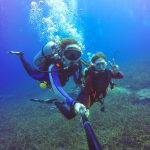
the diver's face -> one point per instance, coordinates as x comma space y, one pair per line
100, 64
71, 57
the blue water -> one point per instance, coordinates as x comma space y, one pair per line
118, 28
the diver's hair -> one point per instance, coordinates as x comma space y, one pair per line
67, 41
97, 56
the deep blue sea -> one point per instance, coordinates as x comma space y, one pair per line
118, 28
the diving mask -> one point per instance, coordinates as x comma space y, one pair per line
72, 52
100, 64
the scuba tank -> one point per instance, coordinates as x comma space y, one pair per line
44, 55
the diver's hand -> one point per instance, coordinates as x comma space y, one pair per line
15, 52
78, 107
114, 66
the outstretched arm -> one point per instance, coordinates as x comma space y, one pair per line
35, 74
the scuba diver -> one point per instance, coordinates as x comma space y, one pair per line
55, 64
97, 80
65, 56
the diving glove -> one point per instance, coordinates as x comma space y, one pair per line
78, 107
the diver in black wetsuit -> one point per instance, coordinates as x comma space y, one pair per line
65, 56
56, 63
97, 80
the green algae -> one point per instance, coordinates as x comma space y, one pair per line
124, 125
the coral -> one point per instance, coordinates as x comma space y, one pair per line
143, 94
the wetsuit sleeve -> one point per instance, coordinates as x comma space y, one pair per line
35, 74
84, 96
117, 75
57, 88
